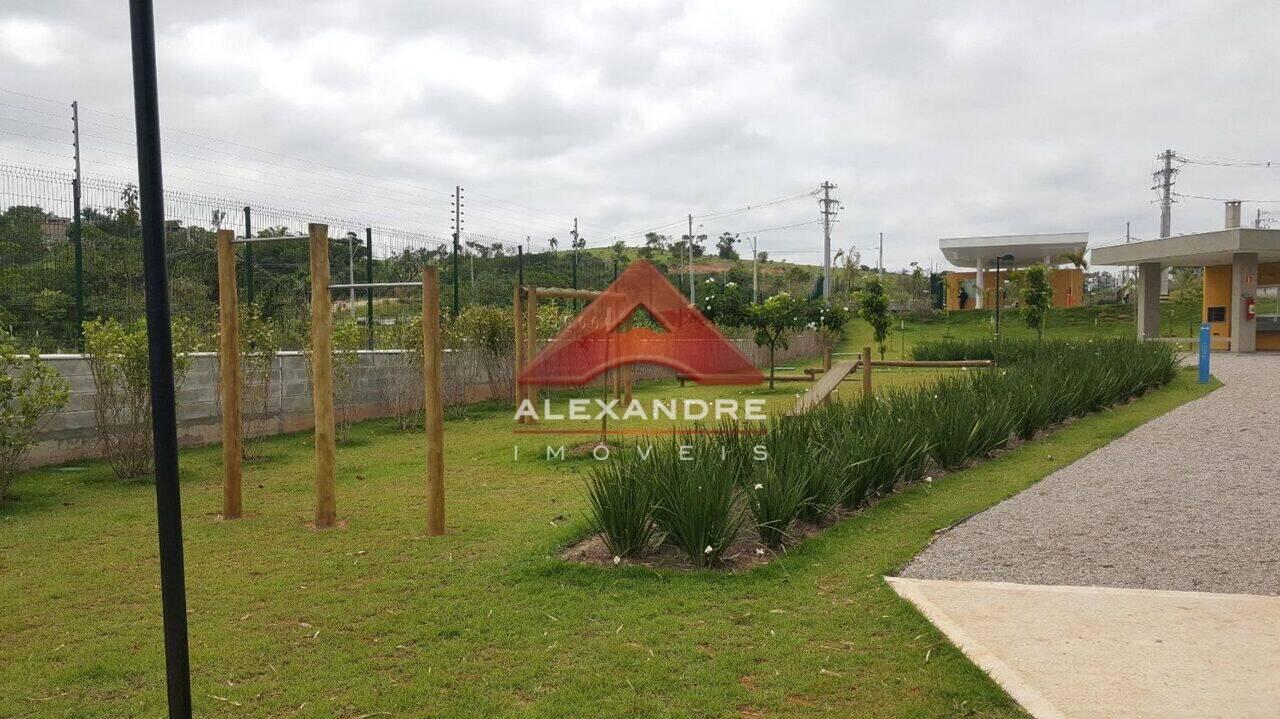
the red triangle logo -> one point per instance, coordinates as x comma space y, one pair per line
690, 344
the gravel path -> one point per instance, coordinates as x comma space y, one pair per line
1188, 501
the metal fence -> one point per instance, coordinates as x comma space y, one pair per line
44, 299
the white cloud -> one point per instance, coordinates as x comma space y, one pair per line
30, 42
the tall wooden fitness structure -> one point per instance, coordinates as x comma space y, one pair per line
326, 514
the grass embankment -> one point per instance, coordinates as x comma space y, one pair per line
377, 620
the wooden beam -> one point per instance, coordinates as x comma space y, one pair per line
322, 378
932, 363
560, 293
866, 371
433, 406
229, 376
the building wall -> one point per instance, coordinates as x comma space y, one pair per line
1218, 293
381, 378
1067, 283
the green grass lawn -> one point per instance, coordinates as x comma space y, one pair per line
377, 620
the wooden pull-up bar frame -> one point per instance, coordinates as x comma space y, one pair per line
322, 378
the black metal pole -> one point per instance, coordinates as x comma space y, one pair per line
520, 265
248, 256
368, 277
164, 425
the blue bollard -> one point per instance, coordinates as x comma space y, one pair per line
1204, 353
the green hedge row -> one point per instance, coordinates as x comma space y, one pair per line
699, 494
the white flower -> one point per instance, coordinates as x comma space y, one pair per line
731, 284
617, 560
759, 486
709, 549
928, 479
759, 552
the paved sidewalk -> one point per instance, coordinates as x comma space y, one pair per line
1188, 501
1100, 653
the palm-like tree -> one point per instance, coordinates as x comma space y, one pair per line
554, 243
1078, 260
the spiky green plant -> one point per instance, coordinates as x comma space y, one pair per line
697, 504
620, 502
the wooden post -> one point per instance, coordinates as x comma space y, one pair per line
433, 404
229, 376
531, 337
826, 359
517, 362
322, 378
866, 371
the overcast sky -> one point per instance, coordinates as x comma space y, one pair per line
933, 120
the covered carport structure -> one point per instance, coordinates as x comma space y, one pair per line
1241, 280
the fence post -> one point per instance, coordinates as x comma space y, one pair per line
322, 377
248, 257
531, 337
368, 277
433, 410
229, 376
77, 229
517, 361
866, 372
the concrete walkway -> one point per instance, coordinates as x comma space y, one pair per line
1090, 652
1063, 592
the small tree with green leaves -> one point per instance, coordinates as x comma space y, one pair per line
773, 320
259, 347
1037, 294
873, 306
828, 320
118, 361
30, 393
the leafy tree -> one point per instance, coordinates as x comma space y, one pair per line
725, 303
1037, 294
828, 320
762, 257
873, 306
1188, 289
773, 320
553, 243
724, 246
30, 393
619, 252
653, 244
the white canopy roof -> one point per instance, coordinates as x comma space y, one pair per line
1026, 249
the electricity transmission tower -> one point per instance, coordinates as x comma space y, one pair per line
829, 208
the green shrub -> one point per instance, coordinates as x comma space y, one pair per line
30, 393
697, 504
777, 488
620, 502
118, 361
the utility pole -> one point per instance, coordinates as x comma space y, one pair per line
77, 229
755, 274
829, 207
457, 243
880, 264
693, 293
574, 244
1164, 183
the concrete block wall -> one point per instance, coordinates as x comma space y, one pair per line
380, 376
